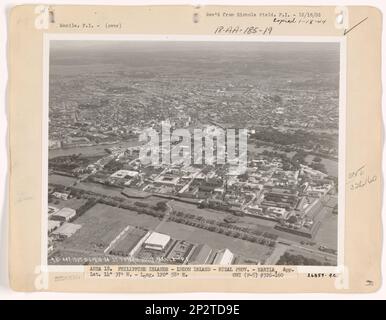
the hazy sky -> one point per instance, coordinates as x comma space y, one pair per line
151, 46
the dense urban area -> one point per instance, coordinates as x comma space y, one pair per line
105, 206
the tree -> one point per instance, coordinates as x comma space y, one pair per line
161, 206
292, 219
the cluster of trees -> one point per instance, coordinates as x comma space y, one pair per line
288, 163
299, 260
80, 193
252, 235
87, 206
112, 166
318, 166
158, 210
110, 202
67, 164
121, 253
302, 138
159, 206
139, 207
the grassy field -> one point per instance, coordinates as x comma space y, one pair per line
327, 234
331, 165
128, 242
63, 180
101, 224
214, 240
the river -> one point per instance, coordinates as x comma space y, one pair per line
92, 150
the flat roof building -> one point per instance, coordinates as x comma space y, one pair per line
61, 195
157, 241
64, 214
52, 225
223, 257
67, 229
52, 210
124, 174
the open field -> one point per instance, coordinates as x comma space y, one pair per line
128, 241
331, 165
63, 180
327, 231
101, 224
214, 240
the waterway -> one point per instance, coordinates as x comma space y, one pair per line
92, 150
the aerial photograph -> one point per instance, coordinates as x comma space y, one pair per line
193, 153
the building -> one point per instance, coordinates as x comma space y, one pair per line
279, 213
121, 174
318, 191
254, 209
64, 214
211, 184
61, 195
223, 257
180, 252
52, 210
280, 198
76, 142
157, 241
54, 144
52, 225
200, 255
67, 230
167, 179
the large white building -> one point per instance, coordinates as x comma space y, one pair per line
277, 212
52, 210
223, 257
124, 174
52, 225
67, 229
65, 214
157, 241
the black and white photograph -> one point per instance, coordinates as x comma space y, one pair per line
191, 152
